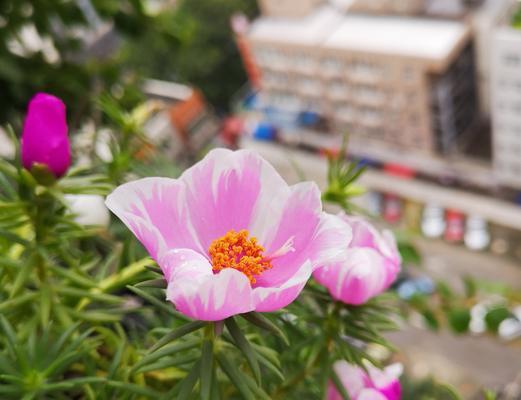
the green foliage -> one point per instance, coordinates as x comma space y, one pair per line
427, 389
516, 19
495, 316
341, 179
83, 315
206, 55
69, 64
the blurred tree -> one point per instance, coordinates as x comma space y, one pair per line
206, 57
70, 48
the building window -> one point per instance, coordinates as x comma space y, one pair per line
332, 66
512, 60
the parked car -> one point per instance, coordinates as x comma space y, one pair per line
477, 235
392, 208
433, 222
454, 226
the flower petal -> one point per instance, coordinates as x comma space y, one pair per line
299, 220
372, 394
184, 263
353, 378
387, 380
229, 190
331, 239
160, 203
209, 297
360, 276
366, 235
268, 299
147, 234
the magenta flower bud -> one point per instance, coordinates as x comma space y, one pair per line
44, 138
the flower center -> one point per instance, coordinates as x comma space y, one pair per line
239, 251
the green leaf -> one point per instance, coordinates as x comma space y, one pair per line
187, 384
450, 392
164, 352
257, 391
73, 276
236, 376
206, 369
91, 295
156, 283
272, 367
114, 365
178, 333
71, 383
11, 304
168, 307
96, 316
154, 268
489, 395
459, 319
12, 237
430, 319
264, 323
126, 276
169, 362
133, 388
45, 304
244, 346
495, 316
470, 287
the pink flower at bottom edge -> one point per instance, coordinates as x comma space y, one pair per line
230, 235
375, 384
370, 264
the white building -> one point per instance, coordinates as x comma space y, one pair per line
506, 105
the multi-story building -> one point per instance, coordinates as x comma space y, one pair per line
288, 8
401, 81
388, 6
506, 103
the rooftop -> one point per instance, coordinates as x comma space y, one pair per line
432, 39
310, 30
410, 37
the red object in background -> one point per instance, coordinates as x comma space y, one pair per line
183, 113
330, 153
392, 208
231, 130
399, 171
240, 25
454, 226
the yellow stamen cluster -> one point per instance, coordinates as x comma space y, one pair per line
237, 250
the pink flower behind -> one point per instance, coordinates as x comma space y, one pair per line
374, 384
370, 265
44, 138
230, 235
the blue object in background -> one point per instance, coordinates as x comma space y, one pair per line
367, 162
410, 287
265, 131
250, 101
518, 199
308, 118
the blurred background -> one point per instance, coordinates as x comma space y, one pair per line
427, 93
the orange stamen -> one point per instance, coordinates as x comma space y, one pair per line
237, 250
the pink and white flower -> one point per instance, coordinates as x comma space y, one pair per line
230, 235
369, 266
375, 384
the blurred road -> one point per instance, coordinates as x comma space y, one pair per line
467, 362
